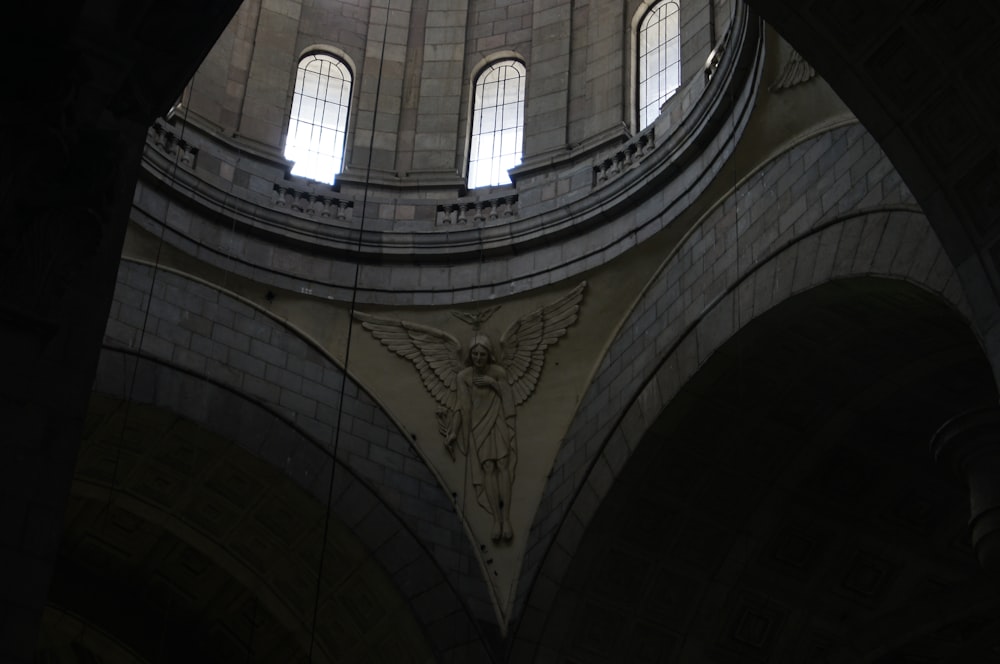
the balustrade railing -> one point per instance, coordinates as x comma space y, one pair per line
625, 158
312, 204
477, 211
166, 141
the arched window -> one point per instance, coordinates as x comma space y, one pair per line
497, 123
317, 131
659, 59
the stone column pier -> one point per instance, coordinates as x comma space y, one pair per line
970, 444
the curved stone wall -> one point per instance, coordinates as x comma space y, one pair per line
829, 208
201, 551
783, 500
413, 64
212, 358
419, 243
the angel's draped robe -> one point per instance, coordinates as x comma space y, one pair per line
485, 433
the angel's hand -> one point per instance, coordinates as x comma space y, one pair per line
449, 445
484, 381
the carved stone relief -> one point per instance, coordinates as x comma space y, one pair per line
479, 387
794, 72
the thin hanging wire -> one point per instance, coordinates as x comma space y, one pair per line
745, 536
253, 628
128, 382
347, 344
168, 600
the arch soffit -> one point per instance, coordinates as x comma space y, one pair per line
372, 445
747, 425
598, 473
278, 323
253, 520
389, 540
871, 55
664, 345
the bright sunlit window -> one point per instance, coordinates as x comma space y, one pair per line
659, 59
497, 123
317, 131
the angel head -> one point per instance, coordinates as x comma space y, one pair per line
481, 353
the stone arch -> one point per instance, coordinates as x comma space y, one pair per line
187, 536
200, 352
830, 208
784, 499
920, 77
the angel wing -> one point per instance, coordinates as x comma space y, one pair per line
523, 344
795, 71
435, 354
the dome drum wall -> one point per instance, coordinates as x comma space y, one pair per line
561, 217
415, 63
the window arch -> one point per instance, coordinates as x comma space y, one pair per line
659, 71
317, 129
497, 123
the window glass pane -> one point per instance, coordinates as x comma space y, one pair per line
317, 128
310, 83
673, 53
673, 23
658, 71
488, 119
306, 109
497, 121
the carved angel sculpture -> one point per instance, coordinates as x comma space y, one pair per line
479, 389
